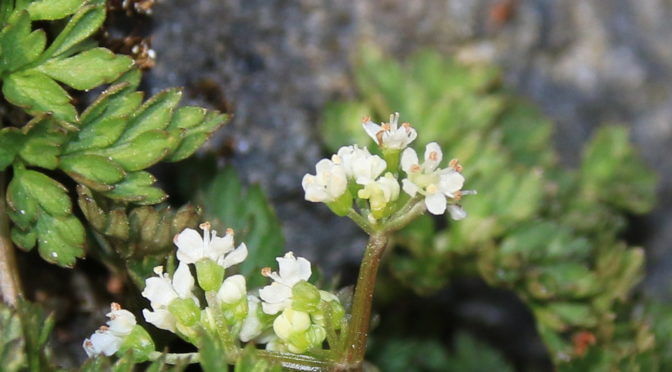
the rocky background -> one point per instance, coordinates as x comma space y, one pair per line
275, 64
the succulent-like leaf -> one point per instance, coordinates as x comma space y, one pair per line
95, 171
11, 141
12, 354
47, 10
19, 44
82, 24
37, 93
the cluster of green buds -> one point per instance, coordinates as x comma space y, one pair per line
356, 178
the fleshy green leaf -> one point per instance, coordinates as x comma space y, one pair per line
38, 93
197, 129
49, 194
60, 239
52, 9
12, 355
11, 141
142, 151
137, 188
42, 143
84, 23
18, 44
88, 69
154, 114
95, 171
101, 133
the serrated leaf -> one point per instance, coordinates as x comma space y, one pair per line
142, 151
187, 146
18, 44
49, 194
124, 104
95, 171
98, 134
187, 117
84, 23
38, 93
24, 239
52, 9
88, 69
152, 115
60, 239
11, 141
101, 103
195, 135
137, 188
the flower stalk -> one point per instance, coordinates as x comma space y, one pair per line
10, 284
358, 328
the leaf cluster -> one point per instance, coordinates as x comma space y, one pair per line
549, 233
105, 147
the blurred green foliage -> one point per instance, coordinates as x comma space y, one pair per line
46, 46
548, 233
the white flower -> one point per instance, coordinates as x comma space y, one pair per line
101, 342
252, 326
161, 291
327, 185
390, 135
380, 192
191, 247
108, 339
359, 164
278, 295
434, 183
290, 322
232, 290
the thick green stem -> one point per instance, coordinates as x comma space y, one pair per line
358, 328
10, 285
174, 358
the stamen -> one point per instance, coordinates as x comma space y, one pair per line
379, 137
434, 156
431, 189
158, 270
457, 195
205, 226
407, 126
115, 306
230, 231
266, 271
366, 119
455, 164
415, 168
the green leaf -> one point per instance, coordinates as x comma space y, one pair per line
49, 194
100, 133
95, 171
25, 240
154, 114
11, 141
137, 188
88, 69
141, 152
42, 144
38, 93
52, 9
195, 133
84, 23
61, 239
18, 44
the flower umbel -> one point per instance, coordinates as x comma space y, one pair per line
108, 339
161, 291
191, 247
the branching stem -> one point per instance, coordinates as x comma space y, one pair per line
10, 284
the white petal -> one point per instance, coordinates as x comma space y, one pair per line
409, 187
219, 246
436, 203
252, 327
275, 293
408, 158
324, 166
121, 322
102, 342
159, 291
314, 191
293, 270
456, 212
189, 246
183, 282
433, 156
451, 182
161, 318
237, 256
372, 129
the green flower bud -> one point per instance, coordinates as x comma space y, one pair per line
305, 297
139, 343
392, 158
289, 322
303, 341
342, 205
210, 275
185, 311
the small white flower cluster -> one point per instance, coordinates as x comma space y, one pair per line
354, 172
108, 339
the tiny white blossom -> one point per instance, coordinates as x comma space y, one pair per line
232, 290
437, 185
161, 290
328, 183
108, 339
191, 247
379, 193
278, 295
390, 135
359, 164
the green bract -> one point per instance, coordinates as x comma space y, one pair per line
105, 148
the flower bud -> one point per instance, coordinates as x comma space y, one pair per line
341, 206
209, 274
290, 322
300, 342
305, 297
185, 310
139, 343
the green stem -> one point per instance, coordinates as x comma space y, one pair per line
174, 358
10, 284
297, 362
361, 221
414, 208
358, 328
